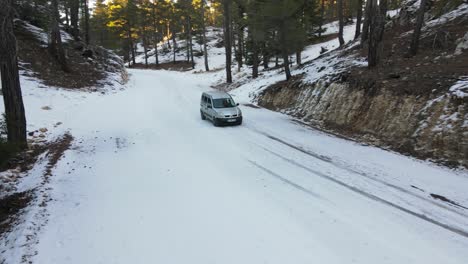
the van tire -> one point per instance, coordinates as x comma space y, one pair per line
203, 117
216, 122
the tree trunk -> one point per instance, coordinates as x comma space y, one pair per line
55, 45
11, 88
254, 58
187, 40
174, 45
374, 34
130, 42
205, 52
86, 20
322, 12
156, 52
155, 34
233, 40
240, 39
168, 42
266, 57
358, 19
287, 71
240, 48
284, 52
341, 22
298, 57
74, 11
365, 26
190, 42
417, 29
383, 6
227, 38
67, 16
145, 47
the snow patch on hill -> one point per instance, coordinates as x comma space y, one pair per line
460, 88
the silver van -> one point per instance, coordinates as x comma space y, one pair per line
220, 108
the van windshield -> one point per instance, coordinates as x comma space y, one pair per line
223, 103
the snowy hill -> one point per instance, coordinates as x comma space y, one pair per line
90, 66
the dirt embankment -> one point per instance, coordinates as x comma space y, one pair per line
89, 65
404, 104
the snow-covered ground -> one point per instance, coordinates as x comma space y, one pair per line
147, 180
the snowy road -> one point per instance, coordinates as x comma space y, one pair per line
147, 181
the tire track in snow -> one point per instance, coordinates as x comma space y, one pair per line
283, 179
341, 166
455, 230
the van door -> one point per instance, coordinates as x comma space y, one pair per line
209, 107
203, 103
203, 108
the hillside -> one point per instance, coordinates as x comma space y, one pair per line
415, 105
91, 67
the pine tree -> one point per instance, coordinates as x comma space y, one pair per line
98, 22
11, 88
122, 14
55, 44
155, 21
85, 5
417, 28
227, 38
367, 17
74, 17
376, 30
205, 52
284, 16
358, 19
340, 22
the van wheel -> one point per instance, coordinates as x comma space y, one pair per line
216, 122
203, 117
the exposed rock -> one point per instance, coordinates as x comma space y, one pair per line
323, 50
462, 45
87, 53
78, 45
394, 75
425, 126
43, 130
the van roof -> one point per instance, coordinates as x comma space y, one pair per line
218, 94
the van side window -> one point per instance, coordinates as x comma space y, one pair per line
208, 100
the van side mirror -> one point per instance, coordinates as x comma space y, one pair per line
208, 106
237, 104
